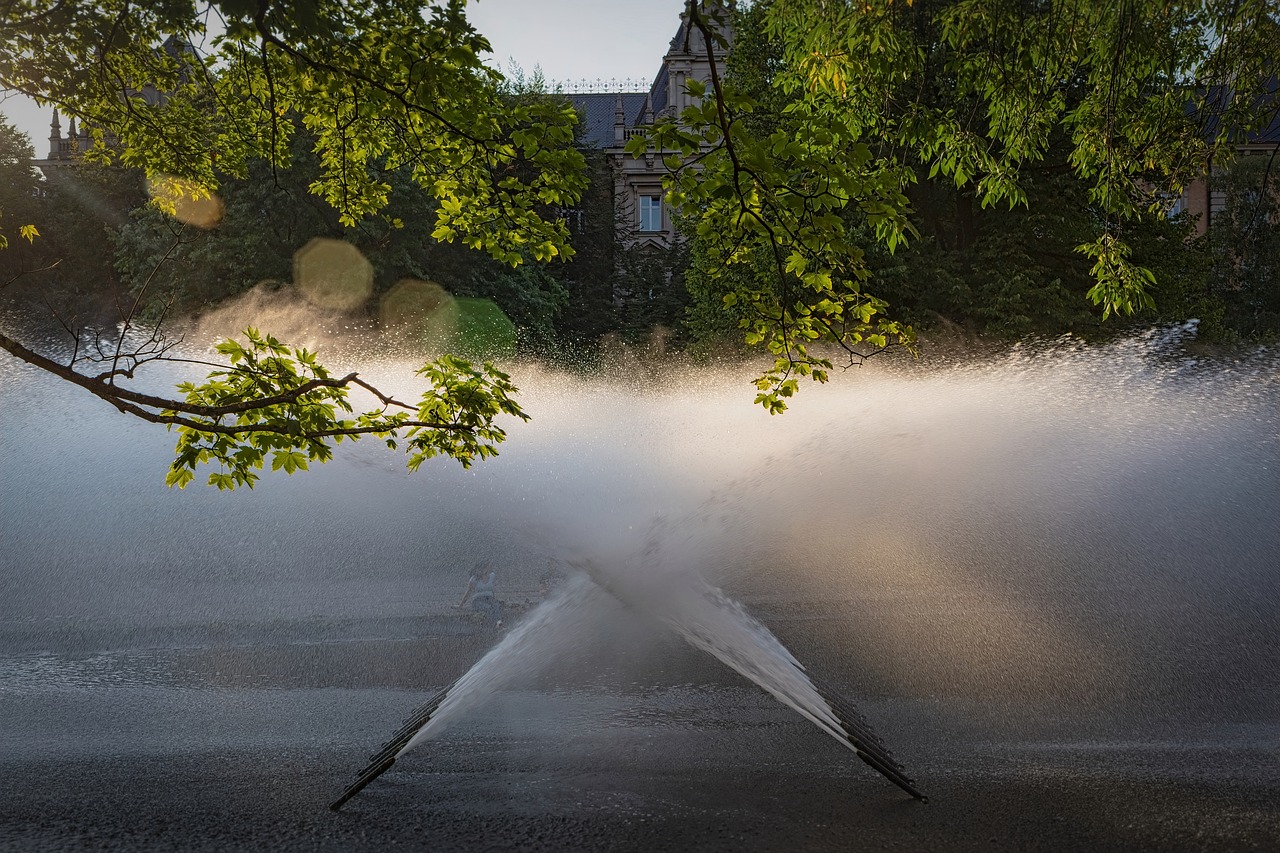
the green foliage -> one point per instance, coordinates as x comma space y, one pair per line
995, 271
588, 311
456, 415
775, 204
378, 86
82, 210
62, 227
1113, 75
267, 216
1122, 286
862, 100
281, 403
649, 289
270, 214
18, 185
530, 297
1243, 247
1183, 288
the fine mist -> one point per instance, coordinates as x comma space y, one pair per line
1063, 528
1056, 533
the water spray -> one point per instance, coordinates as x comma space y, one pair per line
704, 616
380, 762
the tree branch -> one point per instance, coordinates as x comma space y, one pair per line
136, 403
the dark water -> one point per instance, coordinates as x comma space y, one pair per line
1049, 579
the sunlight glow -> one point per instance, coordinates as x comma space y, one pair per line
333, 274
186, 201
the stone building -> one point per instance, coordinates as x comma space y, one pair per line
611, 119
67, 150
1205, 198
64, 150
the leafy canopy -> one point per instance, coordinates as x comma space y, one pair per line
787, 186
380, 84
280, 402
784, 193
384, 89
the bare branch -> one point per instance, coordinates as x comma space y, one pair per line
25, 272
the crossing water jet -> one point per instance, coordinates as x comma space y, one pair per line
700, 614
552, 628
984, 442
1048, 572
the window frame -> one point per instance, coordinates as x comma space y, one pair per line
652, 210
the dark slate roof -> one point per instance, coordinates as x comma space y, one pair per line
677, 41
597, 109
1265, 105
1268, 102
658, 91
1271, 135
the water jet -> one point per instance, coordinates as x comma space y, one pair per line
703, 616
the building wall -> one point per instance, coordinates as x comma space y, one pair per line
1203, 202
637, 178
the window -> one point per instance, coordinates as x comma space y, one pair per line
572, 217
650, 213
1174, 205
1217, 203
1217, 193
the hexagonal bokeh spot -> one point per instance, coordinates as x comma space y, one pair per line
413, 307
333, 274
426, 314
482, 330
185, 201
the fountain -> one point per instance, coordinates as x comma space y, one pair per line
1048, 571
704, 616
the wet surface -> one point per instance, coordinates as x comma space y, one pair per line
135, 749
255, 771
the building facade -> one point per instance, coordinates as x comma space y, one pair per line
610, 120
1205, 198
64, 150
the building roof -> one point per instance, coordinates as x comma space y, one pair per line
1268, 102
658, 92
598, 108
1265, 105
597, 111
1269, 135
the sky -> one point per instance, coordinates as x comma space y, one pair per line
570, 40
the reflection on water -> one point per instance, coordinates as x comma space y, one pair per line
29, 673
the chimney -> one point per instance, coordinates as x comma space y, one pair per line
619, 122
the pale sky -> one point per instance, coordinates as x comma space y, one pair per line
569, 39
